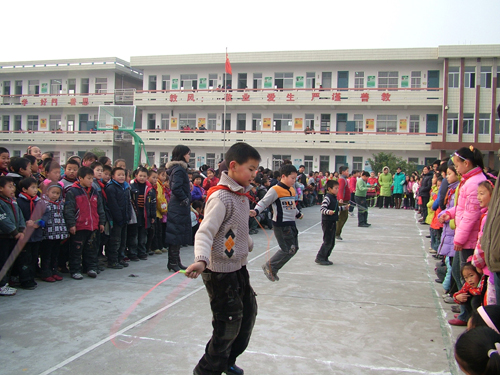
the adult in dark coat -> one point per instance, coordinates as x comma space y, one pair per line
178, 230
425, 190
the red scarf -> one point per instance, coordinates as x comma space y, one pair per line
213, 189
101, 184
31, 200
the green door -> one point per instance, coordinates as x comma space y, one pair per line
433, 79
432, 124
343, 79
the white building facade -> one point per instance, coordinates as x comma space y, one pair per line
421, 104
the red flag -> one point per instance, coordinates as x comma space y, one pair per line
228, 65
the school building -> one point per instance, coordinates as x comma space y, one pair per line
322, 109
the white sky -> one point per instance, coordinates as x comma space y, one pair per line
54, 29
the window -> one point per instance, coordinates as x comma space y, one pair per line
19, 88
486, 77
212, 81
228, 79
17, 153
33, 87
84, 89
308, 163
17, 123
5, 123
310, 120
453, 76
283, 80
101, 85
211, 160
484, 123
324, 163
416, 78
189, 81
163, 158
33, 123
359, 80
242, 81
470, 77
414, 124
256, 122
212, 121
310, 80
388, 80
165, 82
70, 119
151, 158
6, 87
56, 86
387, 123
54, 122
452, 123
282, 122
71, 85
257, 80
152, 83
192, 159
358, 123
165, 121
468, 123
357, 163
413, 161
187, 119
151, 121
497, 127
278, 160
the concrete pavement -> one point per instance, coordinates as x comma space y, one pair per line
377, 310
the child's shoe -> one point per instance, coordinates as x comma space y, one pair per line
234, 370
92, 274
323, 262
134, 258
29, 286
116, 266
455, 308
7, 291
57, 277
271, 276
77, 276
63, 269
164, 250
123, 263
457, 322
151, 252
158, 252
49, 279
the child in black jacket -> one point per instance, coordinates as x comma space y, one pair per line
329, 216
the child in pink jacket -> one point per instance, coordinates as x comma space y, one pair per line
467, 213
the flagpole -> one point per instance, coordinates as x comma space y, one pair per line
225, 96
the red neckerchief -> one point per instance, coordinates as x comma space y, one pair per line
86, 190
31, 200
213, 189
6, 200
448, 196
102, 185
4, 171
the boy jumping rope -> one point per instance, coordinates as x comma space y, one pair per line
282, 198
221, 248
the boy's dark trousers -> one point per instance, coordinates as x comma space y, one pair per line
159, 238
288, 242
6, 247
343, 216
63, 257
151, 241
117, 243
83, 250
362, 210
137, 237
26, 262
49, 251
329, 232
351, 207
234, 310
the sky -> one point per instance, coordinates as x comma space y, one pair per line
54, 29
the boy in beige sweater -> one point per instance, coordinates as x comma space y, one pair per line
221, 248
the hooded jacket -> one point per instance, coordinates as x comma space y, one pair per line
490, 241
11, 218
385, 182
55, 226
399, 180
446, 246
118, 199
83, 209
27, 209
149, 212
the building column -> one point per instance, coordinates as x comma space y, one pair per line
461, 102
478, 97
445, 98
493, 100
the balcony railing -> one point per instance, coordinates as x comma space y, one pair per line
57, 137
329, 97
58, 100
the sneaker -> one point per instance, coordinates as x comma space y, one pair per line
56, 277
134, 259
158, 252
338, 238
31, 286
164, 250
268, 273
100, 268
77, 276
151, 252
432, 251
116, 266
439, 281
457, 322
449, 300
455, 309
123, 263
143, 257
49, 279
234, 370
323, 262
7, 291
445, 295
363, 225
351, 214
126, 259
92, 274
